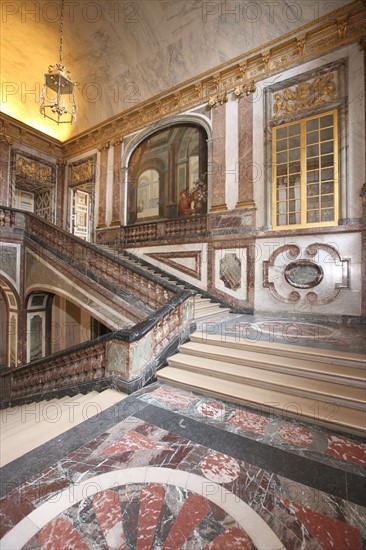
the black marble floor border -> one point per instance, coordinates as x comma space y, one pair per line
30, 464
323, 477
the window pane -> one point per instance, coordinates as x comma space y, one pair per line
312, 216
313, 137
326, 134
281, 144
327, 160
282, 170
313, 203
294, 167
312, 150
281, 157
312, 124
326, 121
312, 164
327, 188
328, 215
326, 147
312, 175
281, 133
294, 129
295, 154
294, 219
313, 190
294, 142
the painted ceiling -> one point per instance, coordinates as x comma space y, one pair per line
124, 52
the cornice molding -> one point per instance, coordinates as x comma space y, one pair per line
238, 76
13, 130
344, 26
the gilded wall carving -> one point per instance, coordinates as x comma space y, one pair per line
82, 171
306, 95
31, 172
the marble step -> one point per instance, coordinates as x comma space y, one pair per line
208, 312
296, 385
14, 418
323, 354
308, 368
54, 418
338, 417
205, 305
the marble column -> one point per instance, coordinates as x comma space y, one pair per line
245, 131
117, 182
5, 149
218, 164
61, 195
103, 171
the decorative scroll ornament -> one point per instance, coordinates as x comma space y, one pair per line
245, 89
306, 95
220, 96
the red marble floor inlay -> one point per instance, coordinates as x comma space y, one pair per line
133, 441
60, 533
330, 533
192, 513
172, 397
211, 409
249, 421
220, 468
295, 435
107, 509
151, 503
232, 539
345, 449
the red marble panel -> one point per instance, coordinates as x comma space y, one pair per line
245, 131
60, 533
233, 539
192, 513
218, 198
151, 503
249, 421
133, 441
107, 509
346, 449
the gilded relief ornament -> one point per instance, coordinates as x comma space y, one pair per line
305, 95
82, 172
32, 171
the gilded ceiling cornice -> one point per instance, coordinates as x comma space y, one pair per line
12, 130
238, 76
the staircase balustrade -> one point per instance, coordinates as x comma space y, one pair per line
127, 358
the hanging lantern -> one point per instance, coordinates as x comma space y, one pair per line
57, 96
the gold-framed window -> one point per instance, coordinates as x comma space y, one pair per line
305, 172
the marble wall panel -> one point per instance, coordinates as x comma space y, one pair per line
339, 259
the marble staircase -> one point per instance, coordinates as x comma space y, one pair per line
203, 307
320, 386
26, 427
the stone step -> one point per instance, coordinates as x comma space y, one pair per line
310, 368
323, 354
54, 420
208, 312
338, 417
296, 385
205, 305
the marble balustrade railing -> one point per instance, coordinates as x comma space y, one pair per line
128, 357
162, 229
93, 261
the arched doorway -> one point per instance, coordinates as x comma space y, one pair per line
9, 338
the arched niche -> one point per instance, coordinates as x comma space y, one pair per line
9, 315
167, 174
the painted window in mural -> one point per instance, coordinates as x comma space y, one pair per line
167, 175
305, 172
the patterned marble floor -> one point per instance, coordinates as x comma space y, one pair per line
168, 469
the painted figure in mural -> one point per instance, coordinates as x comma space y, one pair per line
184, 206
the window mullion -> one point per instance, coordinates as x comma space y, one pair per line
303, 197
